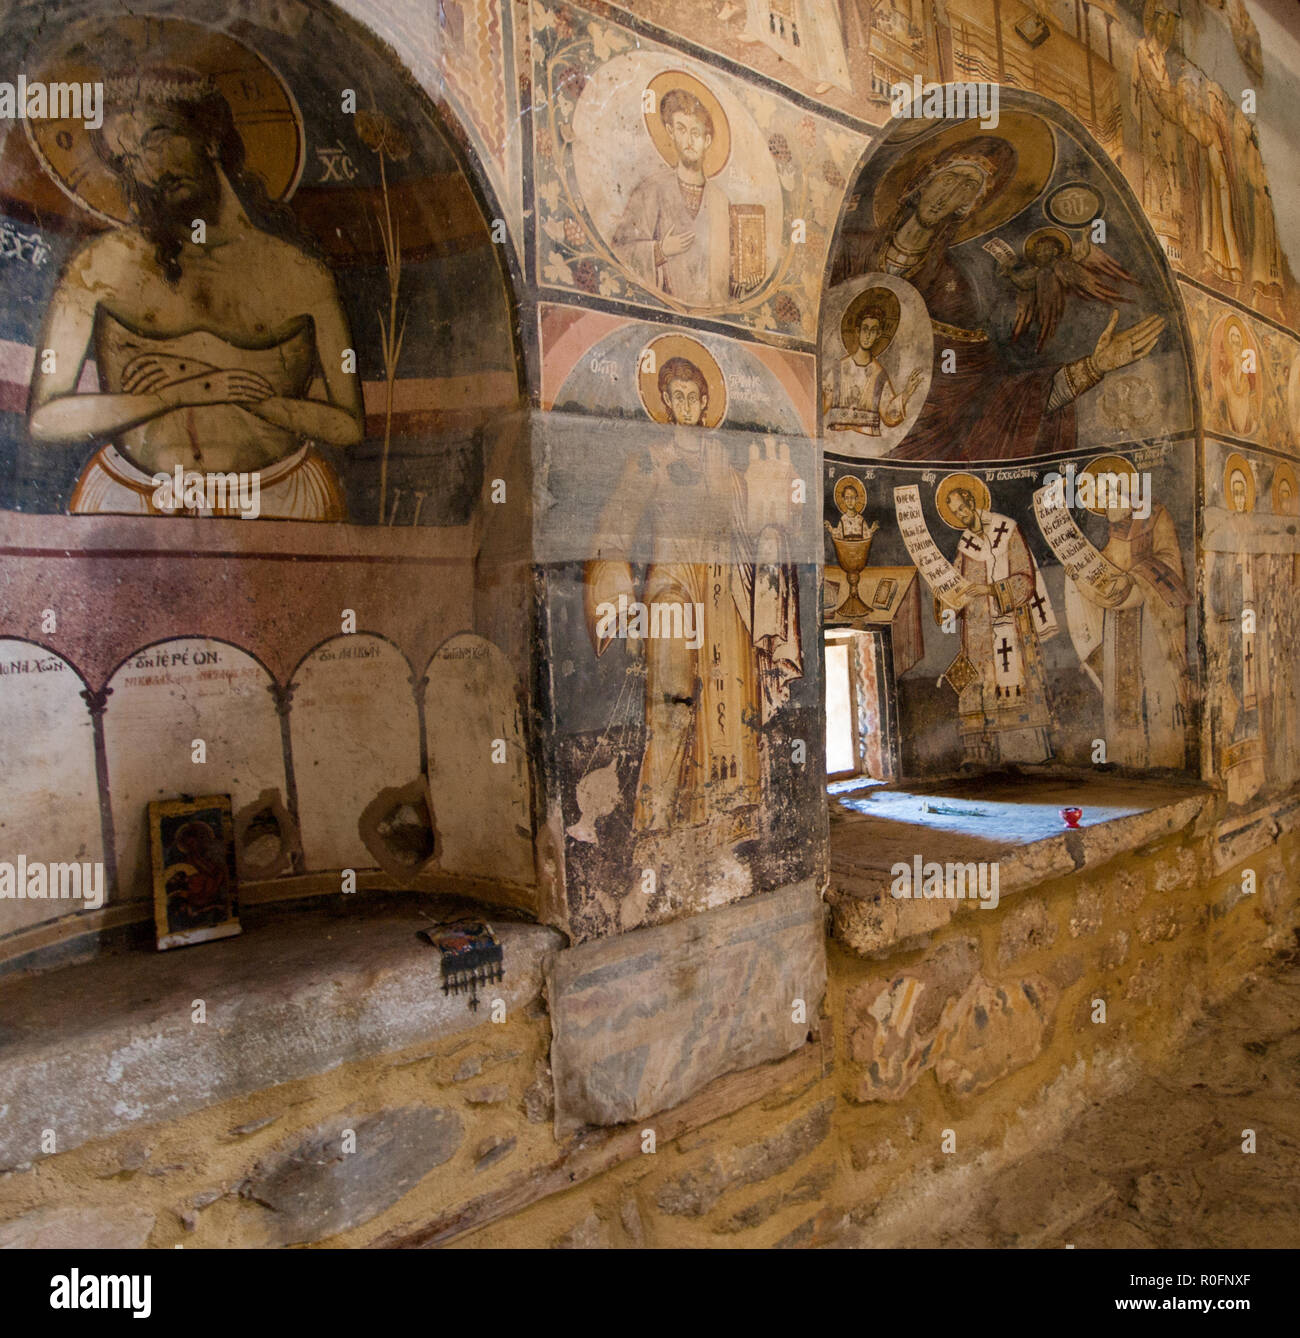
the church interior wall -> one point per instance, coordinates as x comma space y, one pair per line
673, 344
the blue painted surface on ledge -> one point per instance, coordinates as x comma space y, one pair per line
1009, 811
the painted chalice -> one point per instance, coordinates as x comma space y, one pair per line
852, 541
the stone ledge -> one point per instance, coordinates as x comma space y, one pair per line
83, 935
1013, 824
643, 1020
94, 1049
1245, 834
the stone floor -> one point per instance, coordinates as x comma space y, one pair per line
1162, 1166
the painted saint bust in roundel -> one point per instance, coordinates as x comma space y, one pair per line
955, 184
681, 232
674, 234
1234, 375
208, 340
858, 394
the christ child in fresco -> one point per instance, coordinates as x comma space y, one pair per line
982, 409
219, 349
852, 500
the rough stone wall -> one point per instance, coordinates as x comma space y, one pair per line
841, 1141
857, 1155
435, 1126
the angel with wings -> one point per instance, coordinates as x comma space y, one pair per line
1053, 268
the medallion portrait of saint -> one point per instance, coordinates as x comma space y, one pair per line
718, 543
858, 394
947, 188
679, 232
674, 233
217, 335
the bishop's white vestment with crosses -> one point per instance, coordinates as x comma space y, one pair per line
1003, 707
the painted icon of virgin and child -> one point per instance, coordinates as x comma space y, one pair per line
956, 185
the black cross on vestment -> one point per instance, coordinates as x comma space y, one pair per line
1004, 650
999, 532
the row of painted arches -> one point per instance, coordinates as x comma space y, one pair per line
353, 719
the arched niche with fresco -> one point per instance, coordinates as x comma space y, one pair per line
478, 762
269, 258
1000, 334
354, 731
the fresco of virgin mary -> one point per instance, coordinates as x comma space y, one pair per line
950, 187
